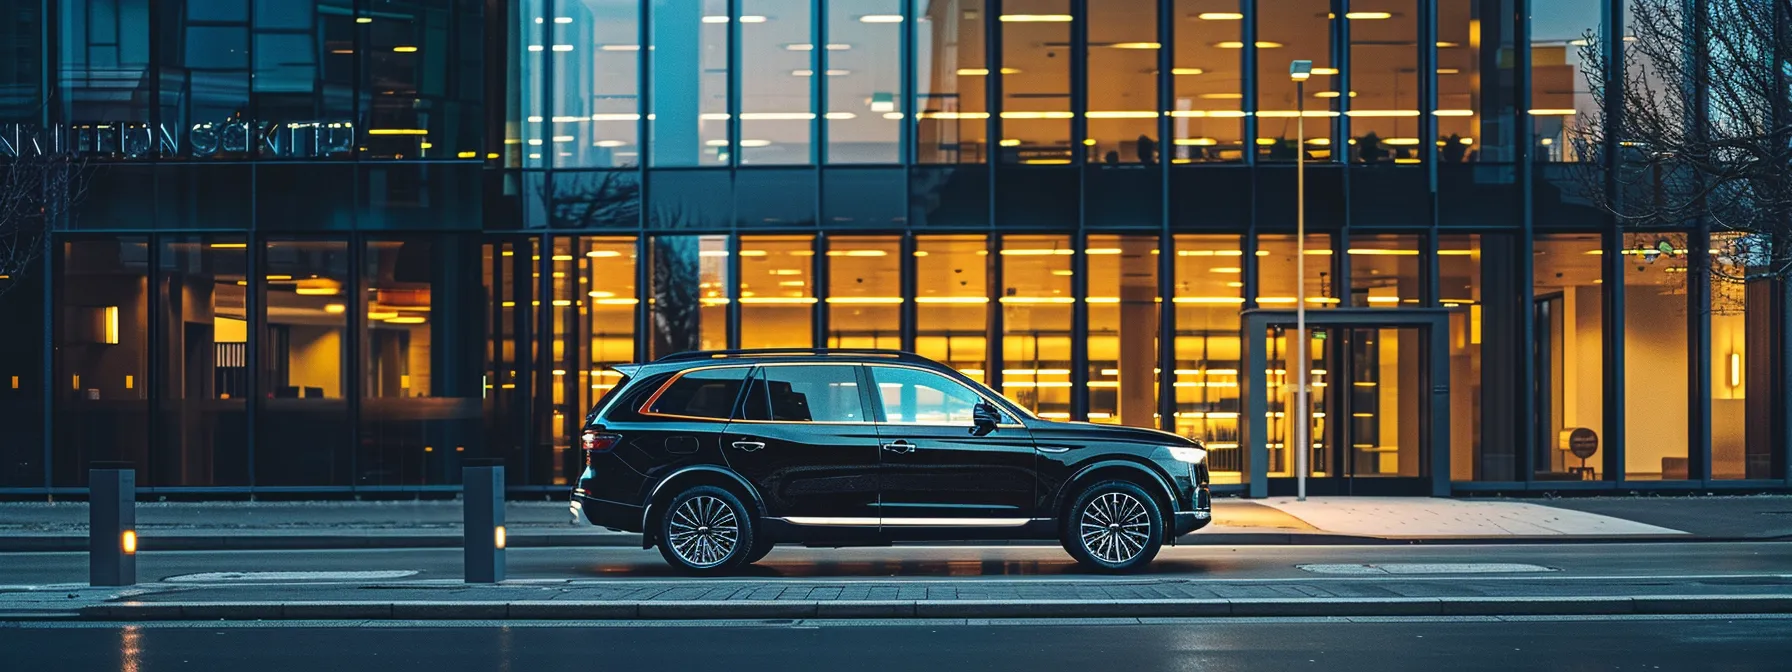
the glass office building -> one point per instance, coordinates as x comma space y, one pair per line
339, 246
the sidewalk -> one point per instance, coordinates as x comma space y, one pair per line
987, 598
1321, 520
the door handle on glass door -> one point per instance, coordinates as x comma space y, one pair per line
749, 446
899, 446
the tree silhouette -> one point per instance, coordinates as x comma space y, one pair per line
40, 186
1702, 131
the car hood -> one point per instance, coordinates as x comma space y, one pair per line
1089, 431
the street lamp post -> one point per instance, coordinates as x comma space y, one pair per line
1299, 71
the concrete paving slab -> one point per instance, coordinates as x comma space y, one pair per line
1399, 517
1738, 517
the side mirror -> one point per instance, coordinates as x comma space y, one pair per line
984, 418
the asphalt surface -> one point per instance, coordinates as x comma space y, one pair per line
942, 562
1332, 645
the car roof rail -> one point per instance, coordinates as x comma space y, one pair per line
696, 355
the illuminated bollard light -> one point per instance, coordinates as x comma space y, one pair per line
483, 506
112, 524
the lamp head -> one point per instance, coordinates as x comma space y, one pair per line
1300, 70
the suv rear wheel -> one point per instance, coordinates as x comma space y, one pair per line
1113, 526
706, 530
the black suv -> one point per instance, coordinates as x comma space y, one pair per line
716, 456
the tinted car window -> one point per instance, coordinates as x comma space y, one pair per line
806, 394
706, 393
915, 396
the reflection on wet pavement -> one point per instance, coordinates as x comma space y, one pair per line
898, 562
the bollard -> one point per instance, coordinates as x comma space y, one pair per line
482, 483
111, 524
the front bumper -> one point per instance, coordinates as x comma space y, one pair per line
1185, 522
605, 513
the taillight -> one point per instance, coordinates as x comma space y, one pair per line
598, 442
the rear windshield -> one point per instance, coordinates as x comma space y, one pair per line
704, 393
612, 385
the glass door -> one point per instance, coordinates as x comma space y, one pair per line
1365, 386
1382, 371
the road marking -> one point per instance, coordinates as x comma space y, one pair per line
1406, 568
381, 575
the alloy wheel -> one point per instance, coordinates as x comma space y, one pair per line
1115, 527
704, 531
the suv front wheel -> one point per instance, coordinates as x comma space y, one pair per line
1113, 526
706, 530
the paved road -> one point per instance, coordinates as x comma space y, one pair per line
1570, 562
1210, 646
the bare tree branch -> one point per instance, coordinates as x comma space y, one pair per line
1702, 132
39, 189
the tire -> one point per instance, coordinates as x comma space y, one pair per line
1113, 526
705, 531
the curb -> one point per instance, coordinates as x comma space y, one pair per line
801, 609
152, 541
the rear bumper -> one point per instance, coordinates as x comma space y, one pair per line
605, 513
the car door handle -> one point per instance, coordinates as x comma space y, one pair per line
899, 447
749, 446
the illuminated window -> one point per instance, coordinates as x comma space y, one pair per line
951, 71
1297, 29
952, 301
1656, 394
1207, 121
865, 105
1384, 271
1570, 348
777, 108
304, 365
203, 362
1461, 291
1561, 100
1036, 307
777, 291
1036, 83
1475, 108
864, 292
1384, 81
1276, 271
413, 310
1123, 326
1122, 82
1741, 377
1208, 293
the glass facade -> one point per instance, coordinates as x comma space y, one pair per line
339, 247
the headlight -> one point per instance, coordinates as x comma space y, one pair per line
1188, 454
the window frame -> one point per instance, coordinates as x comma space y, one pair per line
645, 410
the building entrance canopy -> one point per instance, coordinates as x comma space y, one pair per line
1379, 403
